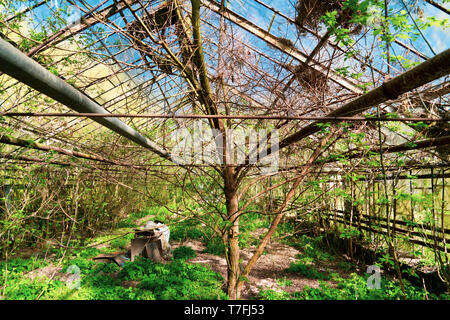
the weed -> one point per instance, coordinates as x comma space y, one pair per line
307, 271
186, 230
283, 282
176, 280
269, 294
215, 246
184, 252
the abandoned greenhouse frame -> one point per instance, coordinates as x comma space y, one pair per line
224, 149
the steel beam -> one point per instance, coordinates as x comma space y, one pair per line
17, 65
334, 45
427, 71
84, 24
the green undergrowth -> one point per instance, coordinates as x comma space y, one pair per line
175, 280
131, 220
184, 252
308, 271
311, 248
139, 280
311, 256
353, 288
179, 279
333, 286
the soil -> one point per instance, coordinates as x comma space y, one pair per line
267, 272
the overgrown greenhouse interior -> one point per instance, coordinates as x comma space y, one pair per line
295, 149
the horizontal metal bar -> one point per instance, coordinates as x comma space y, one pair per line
381, 231
204, 116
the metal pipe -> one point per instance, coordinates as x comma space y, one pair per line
427, 71
17, 65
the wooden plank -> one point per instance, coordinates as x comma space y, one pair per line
417, 225
419, 242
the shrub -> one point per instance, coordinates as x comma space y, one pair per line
176, 280
184, 252
352, 288
270, 294
215, 246
307, 271
355, 288
186, 230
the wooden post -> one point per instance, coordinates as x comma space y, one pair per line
433, 213
394, 209
411, 192
443, 216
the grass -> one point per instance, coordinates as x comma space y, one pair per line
284, 282
177, 279
214, 246
307, 271
184, 252
186, 229
352, 288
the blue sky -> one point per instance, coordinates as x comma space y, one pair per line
438, 38
261, 16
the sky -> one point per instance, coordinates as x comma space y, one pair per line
261, 16
438, 38
250, 9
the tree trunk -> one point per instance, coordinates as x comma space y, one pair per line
232, 245
250, 264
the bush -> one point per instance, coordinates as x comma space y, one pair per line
186, 230
311, 248
270, 294
120, 243
355, 288
184, 252
352, 288
30, 289
307, 271
215, 246
177, 280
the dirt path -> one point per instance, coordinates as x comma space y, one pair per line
266, 274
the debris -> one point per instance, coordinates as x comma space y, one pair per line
118, 258
309, 78
309, 14
151, 242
